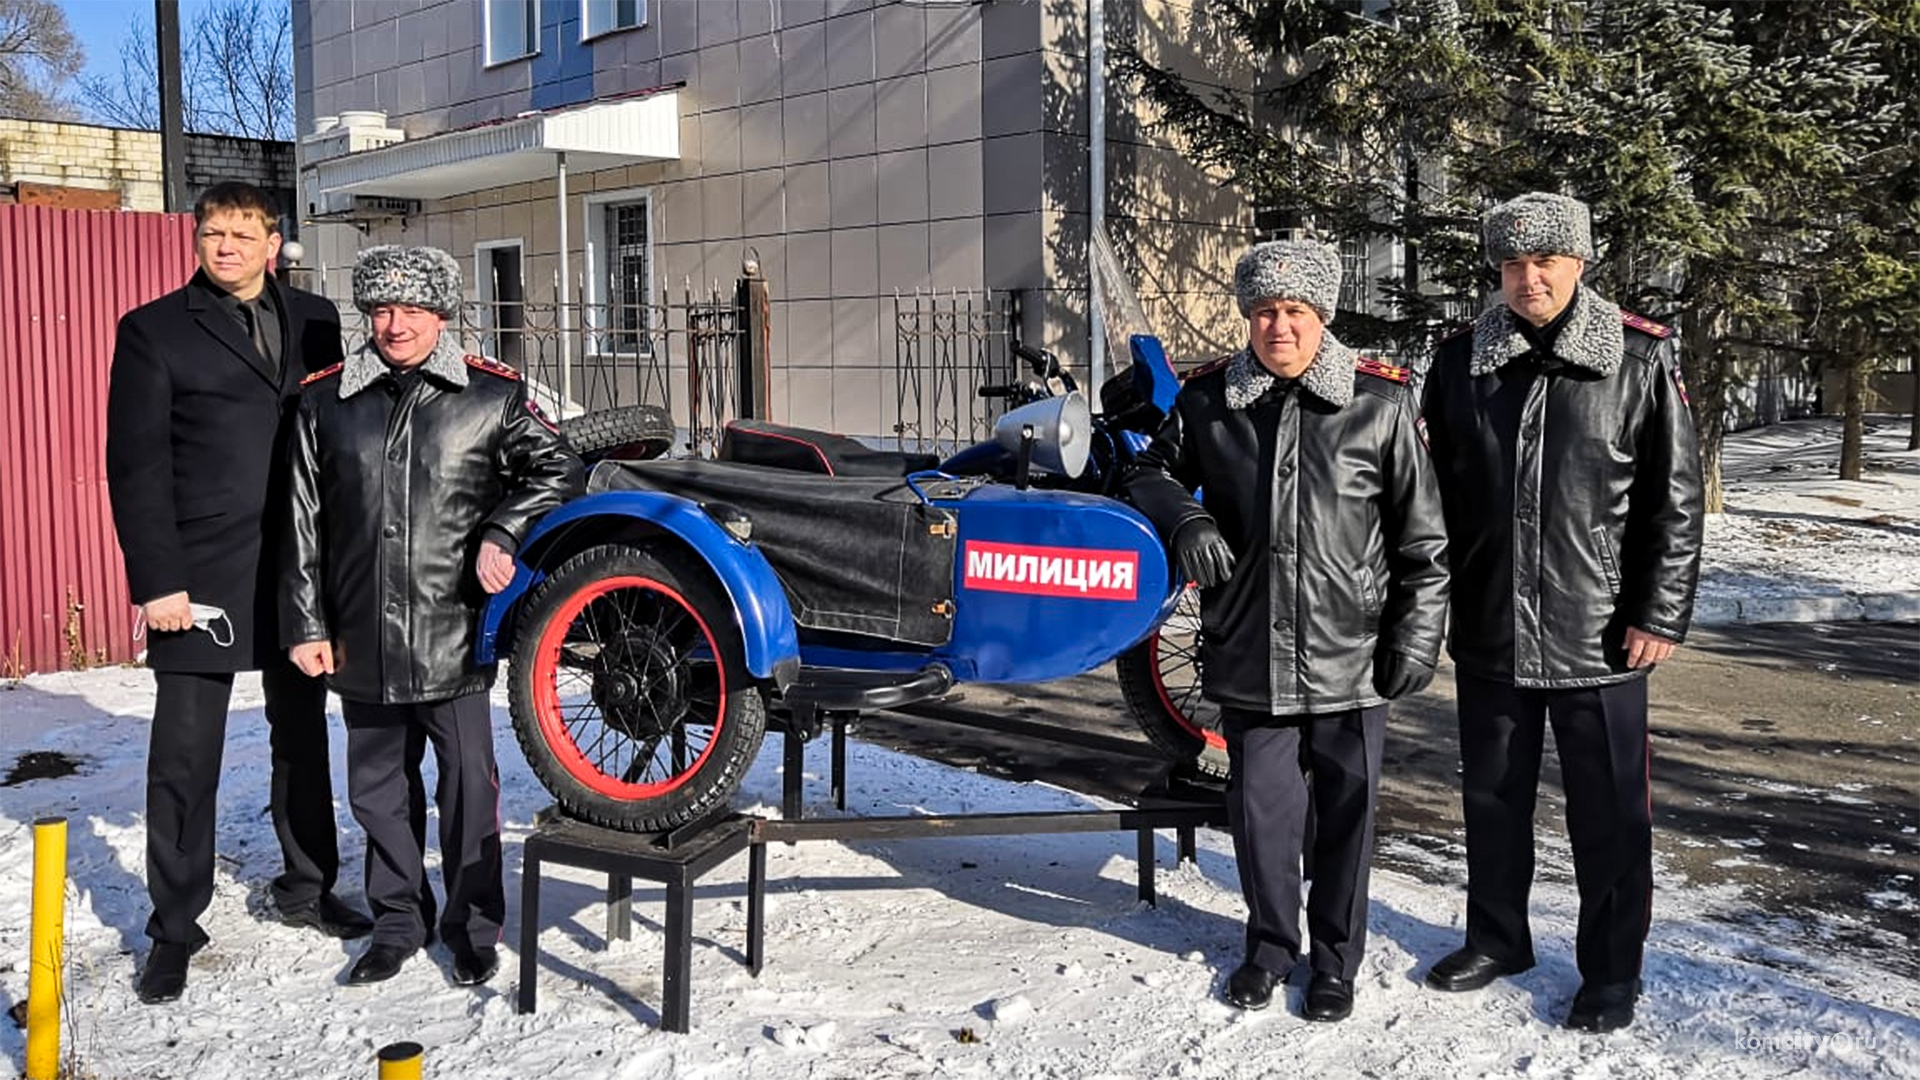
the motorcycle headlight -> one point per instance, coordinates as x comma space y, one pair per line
731, 518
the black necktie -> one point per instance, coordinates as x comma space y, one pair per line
257, 329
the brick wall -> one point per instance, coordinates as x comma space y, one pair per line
127, 161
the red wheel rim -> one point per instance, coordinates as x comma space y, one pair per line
624, 734
1165, 654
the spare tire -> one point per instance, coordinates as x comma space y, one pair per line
628, 433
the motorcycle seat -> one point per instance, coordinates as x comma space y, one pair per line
780, 446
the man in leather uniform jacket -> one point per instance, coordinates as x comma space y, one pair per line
416, 472
1321, 559
1566, 457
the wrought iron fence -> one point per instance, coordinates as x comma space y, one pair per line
946, 346
680, 354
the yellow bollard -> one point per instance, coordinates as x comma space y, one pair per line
48, 960
401, 1061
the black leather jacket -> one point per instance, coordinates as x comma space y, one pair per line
394, 481
1326, 496
1572, 490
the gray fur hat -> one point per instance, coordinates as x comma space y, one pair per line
1289, 270
424, 277
1538, 223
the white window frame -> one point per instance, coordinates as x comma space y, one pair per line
483, 289
588, 33
486, 32
596, 219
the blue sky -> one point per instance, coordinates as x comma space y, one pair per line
101, 24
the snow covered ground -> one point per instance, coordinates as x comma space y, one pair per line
959, 957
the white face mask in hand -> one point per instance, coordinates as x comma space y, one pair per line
209, 617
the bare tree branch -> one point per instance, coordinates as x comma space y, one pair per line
237, 58
38, 58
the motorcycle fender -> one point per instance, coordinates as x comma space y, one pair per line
768, 637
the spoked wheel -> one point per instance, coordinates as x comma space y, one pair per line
1160, 678
629, 692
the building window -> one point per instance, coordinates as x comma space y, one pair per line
605, 16
513, 29
1356, 287
619, 313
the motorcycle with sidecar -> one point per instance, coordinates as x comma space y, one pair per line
654, 621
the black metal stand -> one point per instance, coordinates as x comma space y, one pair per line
676, 859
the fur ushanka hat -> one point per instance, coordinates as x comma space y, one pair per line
1538, 223
423, 277
1289, 270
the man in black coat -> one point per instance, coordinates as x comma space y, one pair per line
1321, 559
203, 383
417, 472
1567, 462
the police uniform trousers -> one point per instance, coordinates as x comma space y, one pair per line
1281, 771
1601, 736
184, 751
385, 746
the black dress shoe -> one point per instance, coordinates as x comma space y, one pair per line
331, 916
471, 967
1329, 998
1466, 969
378, 964
1603, 1007
1251, 986
164, 978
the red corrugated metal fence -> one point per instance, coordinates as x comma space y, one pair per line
66, 277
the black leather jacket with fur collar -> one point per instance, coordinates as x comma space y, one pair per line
1327, 498
394, 481
1572, 490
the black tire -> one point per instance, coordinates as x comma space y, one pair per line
629, 433
628, 690
1160, 679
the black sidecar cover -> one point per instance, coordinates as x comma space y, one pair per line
857, 555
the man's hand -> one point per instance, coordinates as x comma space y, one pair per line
313, 657
1395, 674
1203, 554
494, 567
1645, 649
172, 612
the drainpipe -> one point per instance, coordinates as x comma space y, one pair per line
566, 291
1096, 191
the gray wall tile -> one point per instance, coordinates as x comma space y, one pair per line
953, 35
809, 197
955, 254
763, 199
719, 22
856, 192
810, 250
720, 141
720, 206
954, 185
1010, 245
761, 143
757, 17
719, 75
904, 257
760, 69
855, 262
903, 186
1011, 26
809, 326
900, 112
804, 127
899, 40
953, 104
803, 59
1011, 94
799, 12
856, 337
1013, 174
677, 22
850, 120
850, 49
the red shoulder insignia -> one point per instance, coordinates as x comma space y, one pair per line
534, 408
321, 374
1367, 365
491, 366
1209, 367
1645, 325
